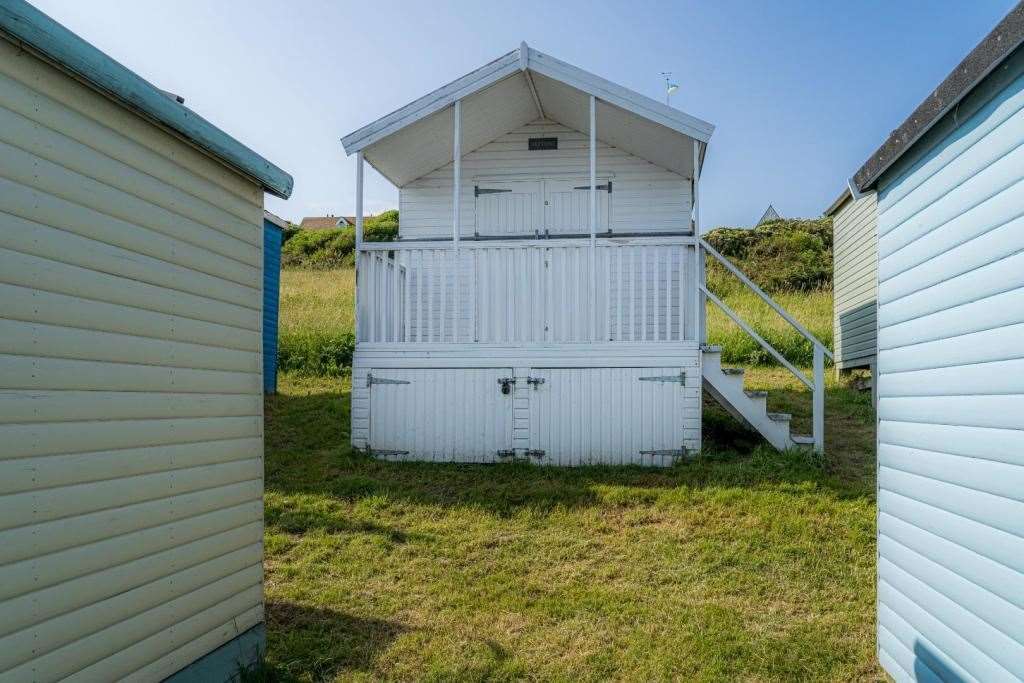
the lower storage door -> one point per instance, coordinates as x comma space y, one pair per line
443, 414
582, 416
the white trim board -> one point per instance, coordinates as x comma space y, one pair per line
530, 60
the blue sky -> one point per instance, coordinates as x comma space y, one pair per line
800, 92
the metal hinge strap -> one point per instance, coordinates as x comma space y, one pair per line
371, 380
535, 381
384, 452
680, 378
477, 190
669, 453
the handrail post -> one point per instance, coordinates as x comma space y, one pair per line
818, 411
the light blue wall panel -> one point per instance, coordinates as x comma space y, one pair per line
951, 394
271, 297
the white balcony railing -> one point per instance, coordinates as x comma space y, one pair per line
517, 292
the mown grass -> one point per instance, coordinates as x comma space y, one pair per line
745, 564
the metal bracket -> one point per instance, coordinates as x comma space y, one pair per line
535, 381
606, 186
509, 453
506, 384
371, 380
668, 453
536, 453
374, 452
680, 378
477, 190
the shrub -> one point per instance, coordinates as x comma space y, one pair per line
782, 255
336, 247
316, 354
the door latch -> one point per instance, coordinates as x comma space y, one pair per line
535, 381
506, 384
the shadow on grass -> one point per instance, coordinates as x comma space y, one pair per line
308, 453
334, 642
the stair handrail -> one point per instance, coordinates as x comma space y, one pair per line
764, 297
820, 350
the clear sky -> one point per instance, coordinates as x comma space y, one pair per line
800, 92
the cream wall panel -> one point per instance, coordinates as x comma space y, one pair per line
66, 93
130, 388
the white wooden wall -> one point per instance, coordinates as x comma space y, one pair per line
645, 197
592, 408
951, 401
131, 420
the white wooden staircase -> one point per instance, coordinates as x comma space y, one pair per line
751, 407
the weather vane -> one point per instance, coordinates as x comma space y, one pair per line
670, 87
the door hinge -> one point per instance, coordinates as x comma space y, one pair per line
477, 190
374, 452
506, 453
680, 378
535, 381
536, 453
527, 452
506, 384
371, 380
607, 186
667, 453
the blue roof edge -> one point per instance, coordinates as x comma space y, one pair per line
28, 25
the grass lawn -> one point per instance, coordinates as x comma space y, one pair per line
742, 565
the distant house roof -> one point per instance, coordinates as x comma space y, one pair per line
321, 222
29, 27
1006, 37
349, 220
770, 214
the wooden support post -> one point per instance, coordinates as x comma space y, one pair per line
818, 408
593, 217
456, 210
360, 297
702, 303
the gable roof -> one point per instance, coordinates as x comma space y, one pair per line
1006, 37
320, 222
521, 86
27, 26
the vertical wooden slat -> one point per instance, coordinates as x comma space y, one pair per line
643, 293
683, 252
397, 299
431, 274
669, 252
474, 285
633, 303
656, 285
442, 256
620, 296
606, 309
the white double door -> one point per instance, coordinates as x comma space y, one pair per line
530, 207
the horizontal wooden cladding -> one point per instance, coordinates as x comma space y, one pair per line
21, 405
972, 254
80, 101
62, 554
54, 146
999, 310
995, 278
998, 478
1001, 616
63, 648
27, 372
24, 440
33, 507
64, 310
985, 508
52, 601
114, 144
36, 239
1000, 445
54, 341
1002, 411
34, 206
29, 474
28, 271
997, 344
929, 612
995, 378
184, 651
27, 169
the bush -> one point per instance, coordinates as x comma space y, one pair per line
316, 354
782, 255
336, 247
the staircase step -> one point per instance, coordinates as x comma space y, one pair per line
733, 371
780, 417
756, 394
802, 439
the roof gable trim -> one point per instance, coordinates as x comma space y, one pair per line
523, 59
28, 26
